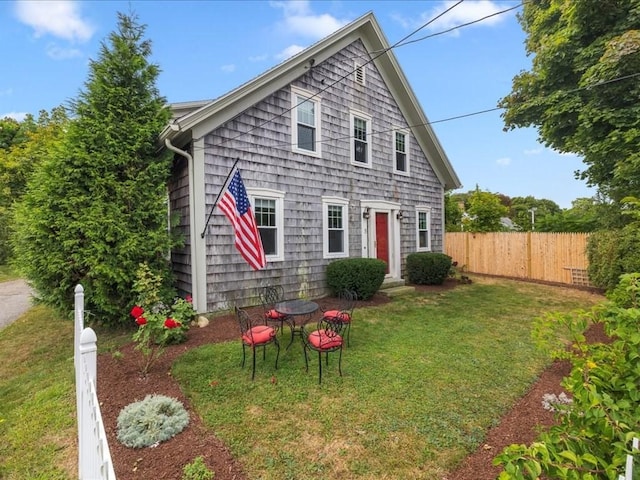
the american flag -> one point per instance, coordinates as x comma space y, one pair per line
235, 205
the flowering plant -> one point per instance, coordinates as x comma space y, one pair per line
158, 324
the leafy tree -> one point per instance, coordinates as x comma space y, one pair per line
484, 212
521, 208
96, 208
583, 88
452, 213
28, 142
585, 215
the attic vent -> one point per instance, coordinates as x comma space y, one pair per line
359, 74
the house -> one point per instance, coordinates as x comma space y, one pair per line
338, 160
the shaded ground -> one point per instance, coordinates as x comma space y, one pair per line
119, 384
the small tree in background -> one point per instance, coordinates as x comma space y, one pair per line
484, 212
96, 209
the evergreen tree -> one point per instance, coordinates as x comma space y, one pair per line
97, 209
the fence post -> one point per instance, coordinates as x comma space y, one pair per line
78, 326
88, 357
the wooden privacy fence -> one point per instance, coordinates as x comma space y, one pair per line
94, 458
549, 257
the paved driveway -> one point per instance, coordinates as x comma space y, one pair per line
15, 299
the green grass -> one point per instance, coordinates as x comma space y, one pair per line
424, 378
37, 411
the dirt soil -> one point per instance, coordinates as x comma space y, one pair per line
120, 383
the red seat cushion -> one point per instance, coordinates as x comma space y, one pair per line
274, 315
324, 340
337, 315
258, 335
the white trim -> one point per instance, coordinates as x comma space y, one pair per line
427, 210
353, 114
369, 233
360, 74
278, 197
317, 113
341, 202
198, 215
404, 132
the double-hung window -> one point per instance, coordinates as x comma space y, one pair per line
305, 116
335, 227
423, 229
361, 139
401, 152
268, 209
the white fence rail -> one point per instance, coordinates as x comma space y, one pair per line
94, 457
628, 471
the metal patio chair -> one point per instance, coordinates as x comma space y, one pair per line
254, 333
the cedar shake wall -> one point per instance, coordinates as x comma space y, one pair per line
179, 206
267, 161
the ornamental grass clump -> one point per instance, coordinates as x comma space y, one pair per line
153, 420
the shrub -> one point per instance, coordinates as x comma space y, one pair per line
153, 420
362, 275
428, 268
197, 470
613, 253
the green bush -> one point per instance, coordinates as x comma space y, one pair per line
197, 470
428, 268
613, 253
153, 420
364, 276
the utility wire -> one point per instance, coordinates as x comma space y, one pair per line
348, 74
285, 145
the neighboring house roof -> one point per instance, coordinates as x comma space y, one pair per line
204, 116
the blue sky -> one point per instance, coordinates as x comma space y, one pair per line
206, 48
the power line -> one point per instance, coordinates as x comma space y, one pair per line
348, 74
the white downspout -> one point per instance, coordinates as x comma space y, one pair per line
192, 227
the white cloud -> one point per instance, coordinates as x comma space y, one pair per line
533, 151
61, 19
289, 52
19, 116
504, 161
299, 20
464, 13
228, 68
258, 58
61, 53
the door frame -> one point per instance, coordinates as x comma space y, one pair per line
370, 208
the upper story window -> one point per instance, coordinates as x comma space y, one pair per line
335, 222
268, 208
423, 229
305, 114
401, 152
361, 139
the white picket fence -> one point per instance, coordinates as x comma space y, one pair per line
628, 471
94, 457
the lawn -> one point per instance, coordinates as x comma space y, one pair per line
424, 378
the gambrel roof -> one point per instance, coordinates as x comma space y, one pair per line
196, 119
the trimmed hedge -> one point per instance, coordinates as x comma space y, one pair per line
428, 268
364, 276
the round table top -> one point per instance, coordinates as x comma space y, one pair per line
296, 307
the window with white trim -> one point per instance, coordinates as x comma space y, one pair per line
361, 139
335, 227
423, 229
305, 128
268, 209
400, 152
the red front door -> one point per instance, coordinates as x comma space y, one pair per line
382, 238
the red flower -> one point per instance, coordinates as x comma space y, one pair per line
137, 311
170, 323
141, 320
189, 299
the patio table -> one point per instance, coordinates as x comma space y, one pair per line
297, 308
